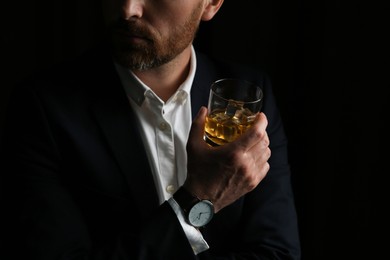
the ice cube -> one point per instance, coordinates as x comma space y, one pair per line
232, 107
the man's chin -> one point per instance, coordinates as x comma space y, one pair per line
131, 60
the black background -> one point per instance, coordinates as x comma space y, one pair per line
329, 64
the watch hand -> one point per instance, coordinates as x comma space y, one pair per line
198, 217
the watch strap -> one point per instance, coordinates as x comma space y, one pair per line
185, 199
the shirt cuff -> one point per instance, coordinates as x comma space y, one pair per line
194, 236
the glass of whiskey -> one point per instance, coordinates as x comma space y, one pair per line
232, 108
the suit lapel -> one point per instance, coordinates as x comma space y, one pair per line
204, 76
117, 122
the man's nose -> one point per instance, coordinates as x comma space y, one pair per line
132, 9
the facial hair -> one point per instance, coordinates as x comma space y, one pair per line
154, 49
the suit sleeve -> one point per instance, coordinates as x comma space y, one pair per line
270, 211
267, 227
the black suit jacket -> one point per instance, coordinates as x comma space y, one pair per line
77, 183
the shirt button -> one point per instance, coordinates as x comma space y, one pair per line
149, 94
170, 189
163, 126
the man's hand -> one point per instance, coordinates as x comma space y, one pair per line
223, 174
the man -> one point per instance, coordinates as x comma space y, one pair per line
105, 157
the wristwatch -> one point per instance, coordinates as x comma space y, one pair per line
198, 212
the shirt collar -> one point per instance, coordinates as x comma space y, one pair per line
136, 89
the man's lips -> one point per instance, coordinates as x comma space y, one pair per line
132, 36
131, 30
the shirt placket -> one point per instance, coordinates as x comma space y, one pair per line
165, 150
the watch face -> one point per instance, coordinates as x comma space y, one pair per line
201, 213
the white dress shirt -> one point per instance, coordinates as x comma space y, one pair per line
164, 129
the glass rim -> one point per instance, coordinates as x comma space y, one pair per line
247, 83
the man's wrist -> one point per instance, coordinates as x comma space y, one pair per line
198, 212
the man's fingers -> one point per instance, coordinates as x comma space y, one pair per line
254, 134
197, 127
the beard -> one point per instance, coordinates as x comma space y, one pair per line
152, 49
